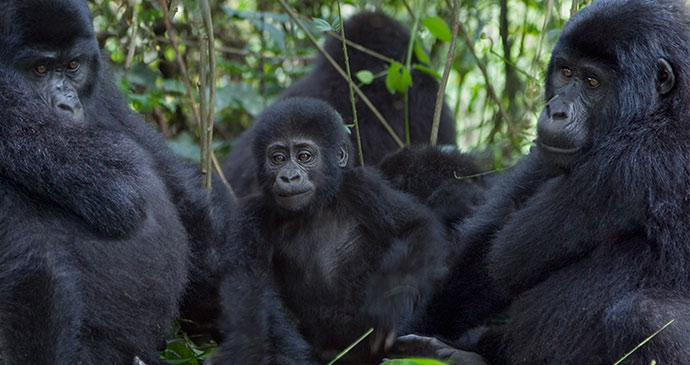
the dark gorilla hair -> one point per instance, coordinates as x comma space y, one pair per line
588, 235
382, 34
328, 250
102, 225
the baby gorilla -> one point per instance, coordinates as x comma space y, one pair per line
343, 250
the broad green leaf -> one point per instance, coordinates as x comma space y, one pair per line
398, 78
420, 53
365, 76
428, 70
438, 28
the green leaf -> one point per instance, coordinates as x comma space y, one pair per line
438, 28
413, 361
365, 76
420, 53
398, 78
322, 24
428, 70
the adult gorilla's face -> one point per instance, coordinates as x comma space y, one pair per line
59, 62
577, 89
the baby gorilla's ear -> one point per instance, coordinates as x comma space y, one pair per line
665, 78
343, 156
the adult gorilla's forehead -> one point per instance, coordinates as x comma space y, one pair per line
608, 27
54, 23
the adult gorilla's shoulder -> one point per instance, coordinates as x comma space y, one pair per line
99, 219
588, 236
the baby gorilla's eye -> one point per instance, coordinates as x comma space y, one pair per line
278, 157
566, 72
592, 82
41, 69
73, 65
304, 156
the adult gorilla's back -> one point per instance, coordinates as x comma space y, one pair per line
382, 34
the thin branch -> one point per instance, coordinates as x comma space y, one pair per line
133, 35
350, 85
409, 9
211, 111
446, 72
489, 88
408, 67
342, 73
573, 7
361, 48
188, 87
203, 110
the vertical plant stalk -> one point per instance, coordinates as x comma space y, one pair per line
446, 73
133, 34
185, 78
203, 111
207, 148
342, 73
408, 67
352, 91
573, 7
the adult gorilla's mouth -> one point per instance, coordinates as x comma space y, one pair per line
290, 194
558, 150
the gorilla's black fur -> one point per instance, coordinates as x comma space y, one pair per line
453, 186
382, 34
98, 217
589, 234
343, 250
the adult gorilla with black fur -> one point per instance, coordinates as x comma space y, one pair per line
589, 234
98, 217
388, 37
341, 248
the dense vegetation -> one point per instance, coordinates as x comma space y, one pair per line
494, 88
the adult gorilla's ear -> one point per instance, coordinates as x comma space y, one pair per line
665, 78
343, 156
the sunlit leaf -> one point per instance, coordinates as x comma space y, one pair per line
365, 76
398, 78
438, 28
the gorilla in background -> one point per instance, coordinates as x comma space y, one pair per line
452, 185
99, 218
341, 248
382, 34
589, 234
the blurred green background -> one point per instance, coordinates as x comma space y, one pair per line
260, 51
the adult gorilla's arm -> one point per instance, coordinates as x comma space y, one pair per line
414, 260
90, 173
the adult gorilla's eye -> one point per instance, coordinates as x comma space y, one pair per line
566, 72
592, 82
41, 69
73, 65
278, 157
304, 156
